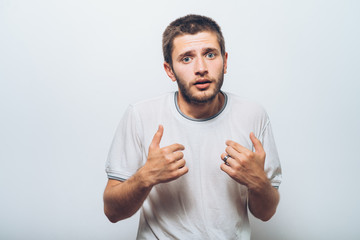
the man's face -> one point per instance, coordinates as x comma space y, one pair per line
198, 66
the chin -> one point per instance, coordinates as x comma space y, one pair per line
204, 96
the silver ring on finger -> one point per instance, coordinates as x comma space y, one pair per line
225, 159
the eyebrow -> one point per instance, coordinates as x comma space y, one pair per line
206, 50
191, 52
181, 56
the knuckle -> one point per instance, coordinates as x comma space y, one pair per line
232, 172
243, 165
183, 170
183, 165
237, 167
173, 175
179, 146
228, 148
249, 154
168, 158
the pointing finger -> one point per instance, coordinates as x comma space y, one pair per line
175, 147
236, 146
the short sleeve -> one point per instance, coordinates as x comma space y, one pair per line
272, 162
125, 155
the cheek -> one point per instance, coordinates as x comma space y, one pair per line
183, 72
216, 63
217, 67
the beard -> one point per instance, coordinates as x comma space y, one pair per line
203, 98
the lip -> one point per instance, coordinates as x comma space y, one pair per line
202, 81
202, 84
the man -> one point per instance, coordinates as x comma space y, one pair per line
196, 177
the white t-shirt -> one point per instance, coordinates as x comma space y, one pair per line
205, 203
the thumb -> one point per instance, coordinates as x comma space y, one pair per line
257, 144
155, 143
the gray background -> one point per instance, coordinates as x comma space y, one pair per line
68, 70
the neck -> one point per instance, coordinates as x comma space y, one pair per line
201, 110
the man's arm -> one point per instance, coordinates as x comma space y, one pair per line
247, 168
263, 202
123, 199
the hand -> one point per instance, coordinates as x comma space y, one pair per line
164, 164
245, 166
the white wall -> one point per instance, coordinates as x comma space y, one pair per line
68, 70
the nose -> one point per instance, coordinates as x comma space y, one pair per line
201, 67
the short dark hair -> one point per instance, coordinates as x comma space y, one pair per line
189, 24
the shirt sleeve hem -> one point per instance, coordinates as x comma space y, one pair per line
118, 176
276, 184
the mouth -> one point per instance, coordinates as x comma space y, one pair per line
202, 84
202, 81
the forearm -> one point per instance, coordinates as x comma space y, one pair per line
263, 201
123, 199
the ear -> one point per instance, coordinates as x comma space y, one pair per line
225, 62
169, 71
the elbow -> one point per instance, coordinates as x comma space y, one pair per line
111, 217
267, 217
112, 220
114, 216
110, 212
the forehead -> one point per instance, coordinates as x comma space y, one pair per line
195, 42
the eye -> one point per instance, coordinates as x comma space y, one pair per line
210, 55
186, 59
